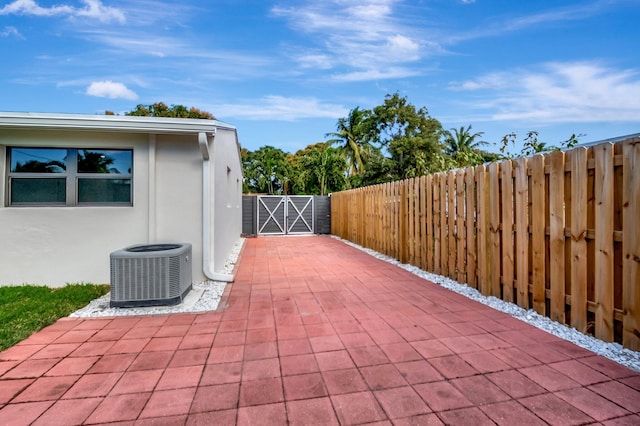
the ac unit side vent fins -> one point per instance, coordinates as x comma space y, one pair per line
160, 275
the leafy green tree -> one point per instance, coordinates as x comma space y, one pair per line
410, 135
267, 171
353, 134
380, 169
463, 146
532, 146
160, 109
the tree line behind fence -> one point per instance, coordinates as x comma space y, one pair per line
558, 233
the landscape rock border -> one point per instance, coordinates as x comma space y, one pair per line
612, 351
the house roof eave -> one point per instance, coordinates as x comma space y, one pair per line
119, 123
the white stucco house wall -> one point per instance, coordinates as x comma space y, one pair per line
74, 188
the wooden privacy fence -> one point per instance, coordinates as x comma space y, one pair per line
558, 233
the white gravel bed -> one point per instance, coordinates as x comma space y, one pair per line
613, 351
204, 296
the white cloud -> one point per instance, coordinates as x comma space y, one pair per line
503, 25
92, 9
361, 38
400, 47
95, 9
559, 92
11, 31
280, 108
30, 7
315, 60
111, 90
376, 74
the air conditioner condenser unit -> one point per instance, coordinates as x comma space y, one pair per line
150, 275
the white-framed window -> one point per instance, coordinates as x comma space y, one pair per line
69, 176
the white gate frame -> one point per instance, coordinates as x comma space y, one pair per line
284, 224
299, 214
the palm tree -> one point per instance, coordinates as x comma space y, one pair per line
351, 134
327, 167
463, 146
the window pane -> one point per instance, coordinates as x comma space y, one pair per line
104, 191
38, 160
105, 161
47, 191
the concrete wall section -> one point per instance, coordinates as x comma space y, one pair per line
58, 245
178, 194
227, 196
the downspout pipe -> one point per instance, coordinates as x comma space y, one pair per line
207, 213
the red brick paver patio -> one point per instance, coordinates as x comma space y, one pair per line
315, 332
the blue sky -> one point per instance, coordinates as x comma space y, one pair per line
283, 72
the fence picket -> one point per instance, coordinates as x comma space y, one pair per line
495, 259
538, 222
604, 241
444, 240
423, 223
461, 232
451, 227
481, 226
556, 238
437, 267
470, 202
631, 246
410, 221
506, 191
522, 232
404, 219
578, 242
429, 232
417, 224
396, 219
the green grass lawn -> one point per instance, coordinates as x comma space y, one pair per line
27, 309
